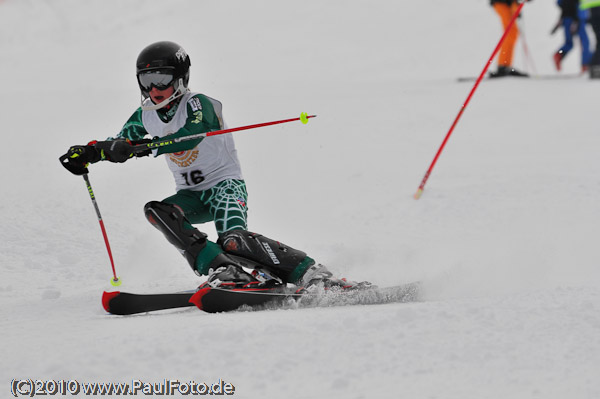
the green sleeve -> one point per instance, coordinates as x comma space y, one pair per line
202, 118
134, 128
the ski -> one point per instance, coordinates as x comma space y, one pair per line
123, 303
216, 300
533, 77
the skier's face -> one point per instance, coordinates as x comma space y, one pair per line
159, 96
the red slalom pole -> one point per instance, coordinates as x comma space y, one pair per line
115, 280
464, 106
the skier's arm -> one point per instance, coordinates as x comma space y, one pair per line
120, 148
134, 129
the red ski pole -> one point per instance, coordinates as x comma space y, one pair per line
464, 106
160, 143
115, 280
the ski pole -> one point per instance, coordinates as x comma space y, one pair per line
527, 55
115, 281
161, 143
464, 106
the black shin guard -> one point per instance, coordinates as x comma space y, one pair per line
170, 219
287, 263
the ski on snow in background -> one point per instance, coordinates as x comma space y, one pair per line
531, 77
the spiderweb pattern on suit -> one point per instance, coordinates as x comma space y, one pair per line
228, 205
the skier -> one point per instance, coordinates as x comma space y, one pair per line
208, 178
505, 10
573, 20
594, 8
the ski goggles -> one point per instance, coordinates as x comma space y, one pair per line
159, 79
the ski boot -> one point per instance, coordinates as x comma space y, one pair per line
507, 71
500, 72
235, 277
557, 58
517, 73
319, 277
594, 71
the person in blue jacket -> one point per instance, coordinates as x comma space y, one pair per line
573, 20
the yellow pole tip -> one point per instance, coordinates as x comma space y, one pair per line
304, 118
115, 282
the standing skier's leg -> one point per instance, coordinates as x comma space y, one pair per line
584, 40
595, 62
562, 52
505, 57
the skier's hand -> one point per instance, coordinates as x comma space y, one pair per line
78, 157
119, 150
142, 152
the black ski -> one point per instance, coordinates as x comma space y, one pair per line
533, 77
123, 303
214, 300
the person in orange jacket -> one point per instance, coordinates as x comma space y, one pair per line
506, 9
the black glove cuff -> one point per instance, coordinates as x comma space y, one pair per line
118, 150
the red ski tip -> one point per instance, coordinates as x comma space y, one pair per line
107, 297
196, 299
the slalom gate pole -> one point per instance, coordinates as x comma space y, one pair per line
161, 143
115, 280
526, 53
419, 192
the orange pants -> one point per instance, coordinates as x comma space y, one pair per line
506, 13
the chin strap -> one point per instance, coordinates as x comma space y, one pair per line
181, 90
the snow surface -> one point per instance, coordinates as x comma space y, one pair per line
505, 237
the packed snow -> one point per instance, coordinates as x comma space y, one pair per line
504, 238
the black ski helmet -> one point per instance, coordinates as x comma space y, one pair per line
168, 57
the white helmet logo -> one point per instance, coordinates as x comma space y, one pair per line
181, 54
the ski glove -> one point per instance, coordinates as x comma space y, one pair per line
119, 150
78, 157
